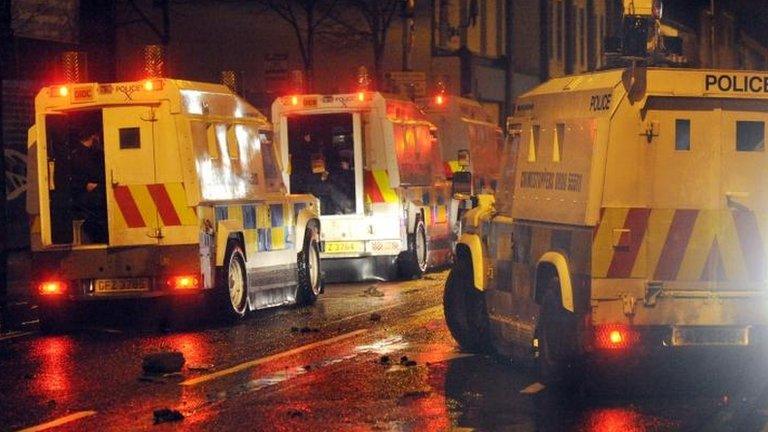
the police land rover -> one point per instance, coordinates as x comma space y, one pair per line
184, 198
632, 219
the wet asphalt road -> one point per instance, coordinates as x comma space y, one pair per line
261, 375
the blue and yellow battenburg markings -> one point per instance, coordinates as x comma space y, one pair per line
266, 227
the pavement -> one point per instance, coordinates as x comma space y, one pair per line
368, 357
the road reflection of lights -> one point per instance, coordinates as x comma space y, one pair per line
384, 346
54, 376
614, 420
195, 347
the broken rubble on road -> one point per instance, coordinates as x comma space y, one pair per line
166, 415
163, 362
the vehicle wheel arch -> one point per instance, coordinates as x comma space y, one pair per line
469, 245
554, 264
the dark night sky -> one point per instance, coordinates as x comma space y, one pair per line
752, 15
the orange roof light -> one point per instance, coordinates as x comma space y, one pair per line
153, 84
52, 287
615, 337
361, 96
294, 100
439, 99
63, 91
184, 282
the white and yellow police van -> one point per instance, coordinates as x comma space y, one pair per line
631, 220
187, 198
374, 163
471, 144
470, 140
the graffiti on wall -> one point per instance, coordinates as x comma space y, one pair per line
15, 174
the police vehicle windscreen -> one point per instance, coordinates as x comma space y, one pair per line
321, 151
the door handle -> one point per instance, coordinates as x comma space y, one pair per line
112, 180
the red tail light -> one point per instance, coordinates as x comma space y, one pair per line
184, 282
615, 337
52, 287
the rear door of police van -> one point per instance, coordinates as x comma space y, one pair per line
130, 171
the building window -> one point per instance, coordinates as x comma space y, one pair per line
750, 136
533, 144
682, 134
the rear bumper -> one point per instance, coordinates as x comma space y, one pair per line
150, 268
381, 268
640, 344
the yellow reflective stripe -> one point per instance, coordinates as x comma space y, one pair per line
236, 214
697, 250
734, 261
263, 218
647, 259
178, 197
145, 204
278, 238
382, 180
251, 237
602, 246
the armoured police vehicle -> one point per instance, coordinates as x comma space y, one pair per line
374, 162
183, 198
632, 218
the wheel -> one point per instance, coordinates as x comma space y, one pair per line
308, 263
233, 292
465, 310
557, 335
413, 263
55, 317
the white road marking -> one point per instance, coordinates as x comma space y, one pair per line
15, 335
533, 388
252, 363
59, 421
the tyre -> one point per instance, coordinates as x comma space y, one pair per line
413, 263
308, 262
465, 309
56, 317
557, 335
232, 293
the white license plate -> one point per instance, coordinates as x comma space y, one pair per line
691, 336
343, 247
121, 285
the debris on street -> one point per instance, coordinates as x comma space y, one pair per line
167, 415
163, 362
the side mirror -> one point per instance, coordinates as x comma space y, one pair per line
461, 183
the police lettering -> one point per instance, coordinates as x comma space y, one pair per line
737, 83
600, 102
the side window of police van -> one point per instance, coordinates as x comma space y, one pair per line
750, 136
233, 148
682, 134
212, 139
558, 138
130, 138
533, 142
271, 169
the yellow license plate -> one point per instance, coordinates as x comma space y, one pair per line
682, 336
121, 285
343, 247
